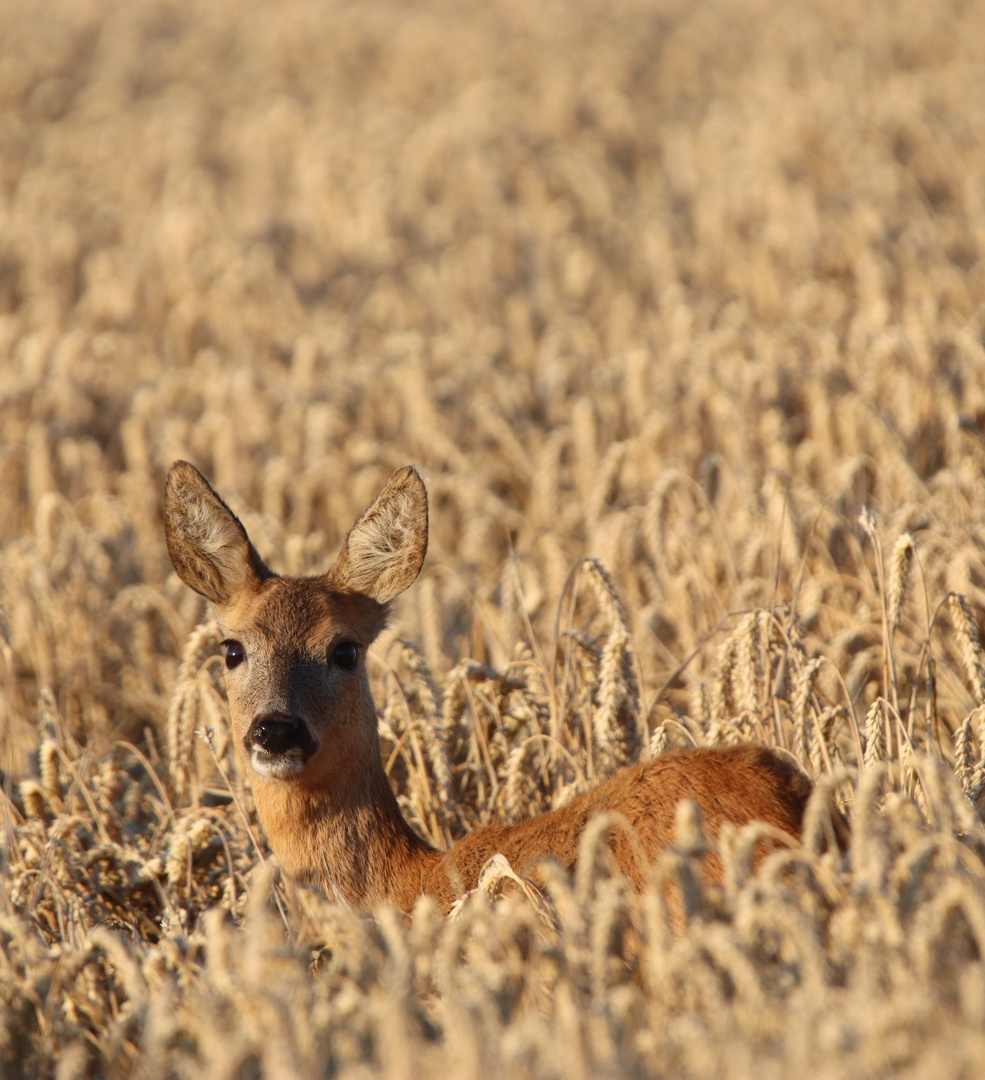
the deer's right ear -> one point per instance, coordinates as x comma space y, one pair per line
206, 541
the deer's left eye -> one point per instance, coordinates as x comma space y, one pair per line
235, 653
345, 655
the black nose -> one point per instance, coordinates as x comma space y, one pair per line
276, 733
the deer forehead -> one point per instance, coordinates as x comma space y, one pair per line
303, 614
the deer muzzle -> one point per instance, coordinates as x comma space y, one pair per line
279, 744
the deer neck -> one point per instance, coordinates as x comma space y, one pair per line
351, 841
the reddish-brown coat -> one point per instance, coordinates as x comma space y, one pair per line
317, 841
738, 785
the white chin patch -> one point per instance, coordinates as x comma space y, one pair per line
275, 767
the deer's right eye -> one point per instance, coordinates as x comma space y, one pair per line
235, 653
345, 655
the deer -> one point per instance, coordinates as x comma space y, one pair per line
304, 720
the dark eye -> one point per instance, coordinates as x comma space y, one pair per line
345, 655
235, 653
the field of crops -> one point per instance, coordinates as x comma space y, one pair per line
679, 306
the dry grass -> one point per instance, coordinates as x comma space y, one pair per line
681, 307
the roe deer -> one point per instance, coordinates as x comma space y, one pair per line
304, 718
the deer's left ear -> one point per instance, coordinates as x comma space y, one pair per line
385, 549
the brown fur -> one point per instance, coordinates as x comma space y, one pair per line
740, 784
335, 822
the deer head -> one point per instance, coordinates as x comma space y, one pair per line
295, 648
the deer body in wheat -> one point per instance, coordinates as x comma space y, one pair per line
304, 719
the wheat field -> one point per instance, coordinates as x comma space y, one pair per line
680, 308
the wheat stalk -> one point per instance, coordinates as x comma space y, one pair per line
875, 734
900, 566
182, 711
969, 643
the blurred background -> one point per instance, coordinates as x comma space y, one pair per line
683, 286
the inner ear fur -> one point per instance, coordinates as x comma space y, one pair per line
385, 549
207, 543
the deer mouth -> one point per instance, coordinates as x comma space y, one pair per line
279, 745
